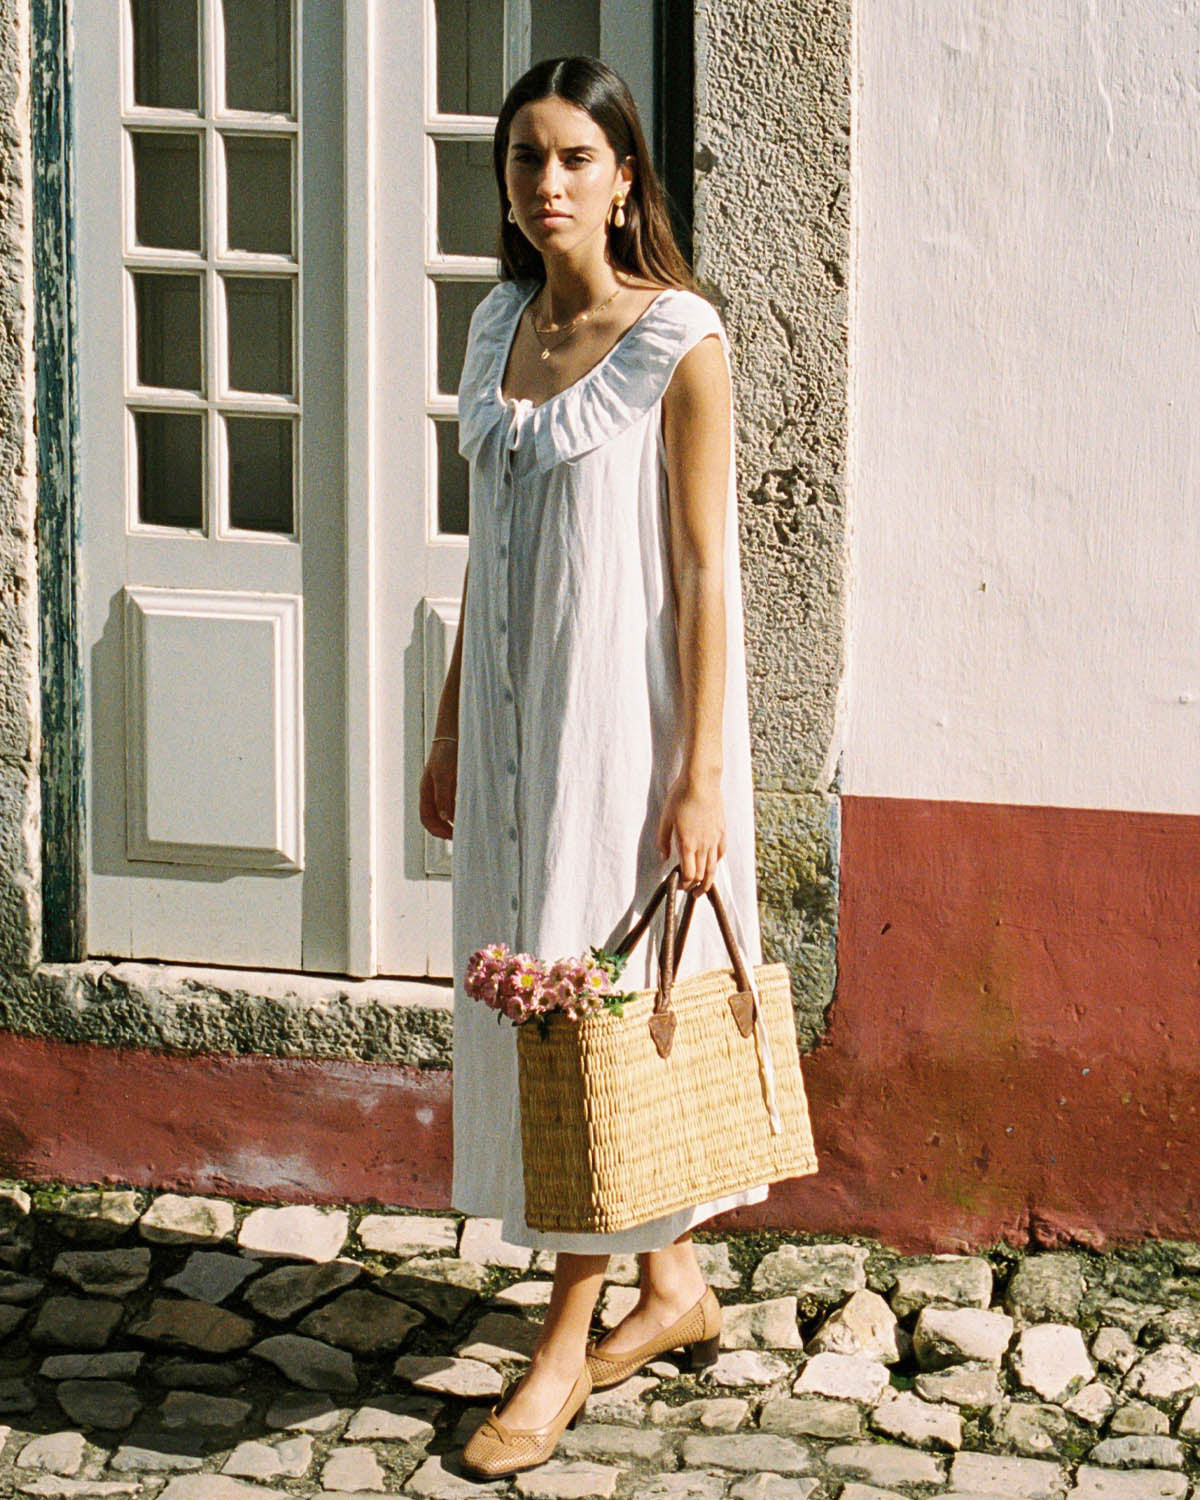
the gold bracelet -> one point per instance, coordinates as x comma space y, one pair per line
453, 738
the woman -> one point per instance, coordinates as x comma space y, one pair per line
593, 725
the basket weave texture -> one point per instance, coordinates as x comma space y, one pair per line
614, 1134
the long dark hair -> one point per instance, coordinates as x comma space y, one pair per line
645, 245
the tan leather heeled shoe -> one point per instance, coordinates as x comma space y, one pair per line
495, 1448
698, 1331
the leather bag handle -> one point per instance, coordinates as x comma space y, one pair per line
629, 941
740, 972
662, 1019
631, 938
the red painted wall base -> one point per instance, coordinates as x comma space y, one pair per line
1013, 1054
258, 1128
1014, 1048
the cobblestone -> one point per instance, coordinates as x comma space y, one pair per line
407, 1234
612, 1443
719, 1414
1140, 1451
299, 1231
174, 1348
753, 1451
886, 1463
953, 1280
1107, 1484
1019, 1478
852, 1377
746, 1367
1033, 1429
770, 1324
1051, 1359
557, 1480
949, 1335
1170, 1373
865, 1324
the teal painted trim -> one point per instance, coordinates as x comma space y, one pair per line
56, 407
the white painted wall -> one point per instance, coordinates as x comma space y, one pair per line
1025, 452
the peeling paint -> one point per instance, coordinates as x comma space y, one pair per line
62, 761
20, 898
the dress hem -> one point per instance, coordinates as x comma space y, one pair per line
651, 1234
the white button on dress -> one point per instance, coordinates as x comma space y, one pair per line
570, 714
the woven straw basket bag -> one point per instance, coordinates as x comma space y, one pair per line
693, 1092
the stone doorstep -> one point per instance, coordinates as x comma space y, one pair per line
155, 1005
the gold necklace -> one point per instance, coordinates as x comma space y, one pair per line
547, 349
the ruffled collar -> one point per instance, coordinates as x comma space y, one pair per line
614, 393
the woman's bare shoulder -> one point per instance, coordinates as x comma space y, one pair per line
700, 382
701, 373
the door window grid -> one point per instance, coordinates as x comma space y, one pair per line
206, 456
474, 51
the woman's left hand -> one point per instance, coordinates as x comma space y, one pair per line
694, 814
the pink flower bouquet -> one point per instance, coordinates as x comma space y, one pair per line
525, 988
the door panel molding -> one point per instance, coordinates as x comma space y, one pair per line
214, 770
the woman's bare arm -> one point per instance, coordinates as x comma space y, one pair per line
439, 780
696, 426
447, 714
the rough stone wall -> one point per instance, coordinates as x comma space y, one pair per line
20, 860
772, 249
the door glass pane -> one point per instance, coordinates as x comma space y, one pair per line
166, 170
260, 473
562, 28
453, 481
456, 301
470, 50
168, 330
170, 467
258, 313
258, 55
166, 58
468, 214
258, 171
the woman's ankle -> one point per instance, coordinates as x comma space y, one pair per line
672, 1286
558, 1359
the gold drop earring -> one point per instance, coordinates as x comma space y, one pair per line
512, 218
619, 215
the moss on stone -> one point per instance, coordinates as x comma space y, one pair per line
797, 841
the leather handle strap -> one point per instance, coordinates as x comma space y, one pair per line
740, 972
666, 952
675, 933
631, 938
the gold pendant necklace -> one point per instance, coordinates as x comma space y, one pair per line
548, 349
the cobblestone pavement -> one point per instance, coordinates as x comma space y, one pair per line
189, 1348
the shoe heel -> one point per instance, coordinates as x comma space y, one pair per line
704, 1353
577, 1415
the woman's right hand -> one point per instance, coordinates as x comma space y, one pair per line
439, 784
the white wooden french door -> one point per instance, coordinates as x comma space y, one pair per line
208, 141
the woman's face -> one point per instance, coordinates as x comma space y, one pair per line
561, 175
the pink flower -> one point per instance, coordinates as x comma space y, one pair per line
484, 973
520, 986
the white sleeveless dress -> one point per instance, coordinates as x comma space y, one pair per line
570, 714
